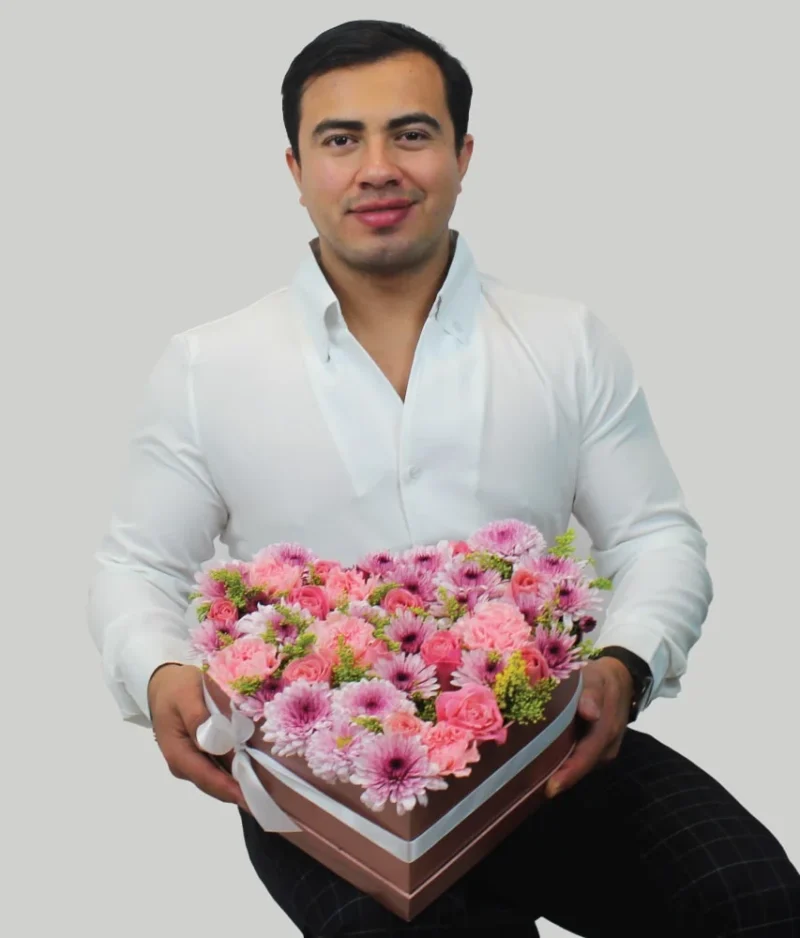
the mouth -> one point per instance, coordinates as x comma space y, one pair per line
384, 214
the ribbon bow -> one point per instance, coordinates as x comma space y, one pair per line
220, 735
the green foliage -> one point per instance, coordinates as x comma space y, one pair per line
518, 699
224, 638
347, 670
489, 561
601, 583
202, 611
235, 589
314, 579
299, 649
377, 596
564, 545
296, 619
247, 685
426, 707
373, 724
379, 631
453, 609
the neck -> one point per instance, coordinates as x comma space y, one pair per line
392, 303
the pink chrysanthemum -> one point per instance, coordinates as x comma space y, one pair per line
510, 539
554, 567
370, 698
395, 769
256, 623
569, 598
210, 636
479, 667
430, 559
410, 631
253, 704
331, 750
558, 649
209, 588
468, 582
380, 563
418, 581
290, 553
408, 673
294, 714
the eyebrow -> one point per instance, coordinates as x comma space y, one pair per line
396, 123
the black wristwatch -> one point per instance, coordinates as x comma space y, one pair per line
640, 672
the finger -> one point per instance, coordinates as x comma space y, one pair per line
590, 704
189, 763
584, 757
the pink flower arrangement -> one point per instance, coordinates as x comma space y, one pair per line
393, 673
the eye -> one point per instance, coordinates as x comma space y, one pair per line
337, 137
419, 135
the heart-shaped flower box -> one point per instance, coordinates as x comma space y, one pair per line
405, 861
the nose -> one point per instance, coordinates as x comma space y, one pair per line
377, 168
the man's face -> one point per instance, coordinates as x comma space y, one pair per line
379, 136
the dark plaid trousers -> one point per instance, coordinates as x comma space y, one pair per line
647, 845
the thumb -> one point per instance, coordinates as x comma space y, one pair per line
590, 704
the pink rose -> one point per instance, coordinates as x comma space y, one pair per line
443, 648
525, 582
323, 568
475, 709
404, 724
398, 598
460, 547
452, 748
313, 599
494, 626
535, 663
341, 581
247, 657
223, 610
313, 667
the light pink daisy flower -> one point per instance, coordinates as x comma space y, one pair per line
410, 631
469, 583
408, 673
370, 698
478, 668
294, 714
330, 750
554, 567
208, 588
395, 769
379, 563
510, 539
418, 581
558, 650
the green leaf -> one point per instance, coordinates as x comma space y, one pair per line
564, 545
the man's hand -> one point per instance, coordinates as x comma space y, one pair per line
605, 704
177, 708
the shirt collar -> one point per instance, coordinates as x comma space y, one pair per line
455, 306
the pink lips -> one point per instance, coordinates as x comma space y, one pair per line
383, 215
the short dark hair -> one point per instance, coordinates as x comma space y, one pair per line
361, 42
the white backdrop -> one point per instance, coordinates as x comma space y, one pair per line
641, 158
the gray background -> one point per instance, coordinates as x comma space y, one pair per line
639, 157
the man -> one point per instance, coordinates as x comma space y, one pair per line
392, 395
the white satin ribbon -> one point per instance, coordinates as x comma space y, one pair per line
406, 850
220, 735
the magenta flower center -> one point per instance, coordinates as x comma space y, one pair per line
397, 767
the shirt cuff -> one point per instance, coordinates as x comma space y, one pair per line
648, 645
140, 649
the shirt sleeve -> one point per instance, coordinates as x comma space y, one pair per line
630, 503
162, 530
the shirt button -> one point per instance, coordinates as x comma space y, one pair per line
413, 472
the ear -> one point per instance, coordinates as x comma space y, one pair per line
295, 170
464, 158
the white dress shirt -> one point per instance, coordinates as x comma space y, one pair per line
274, 424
